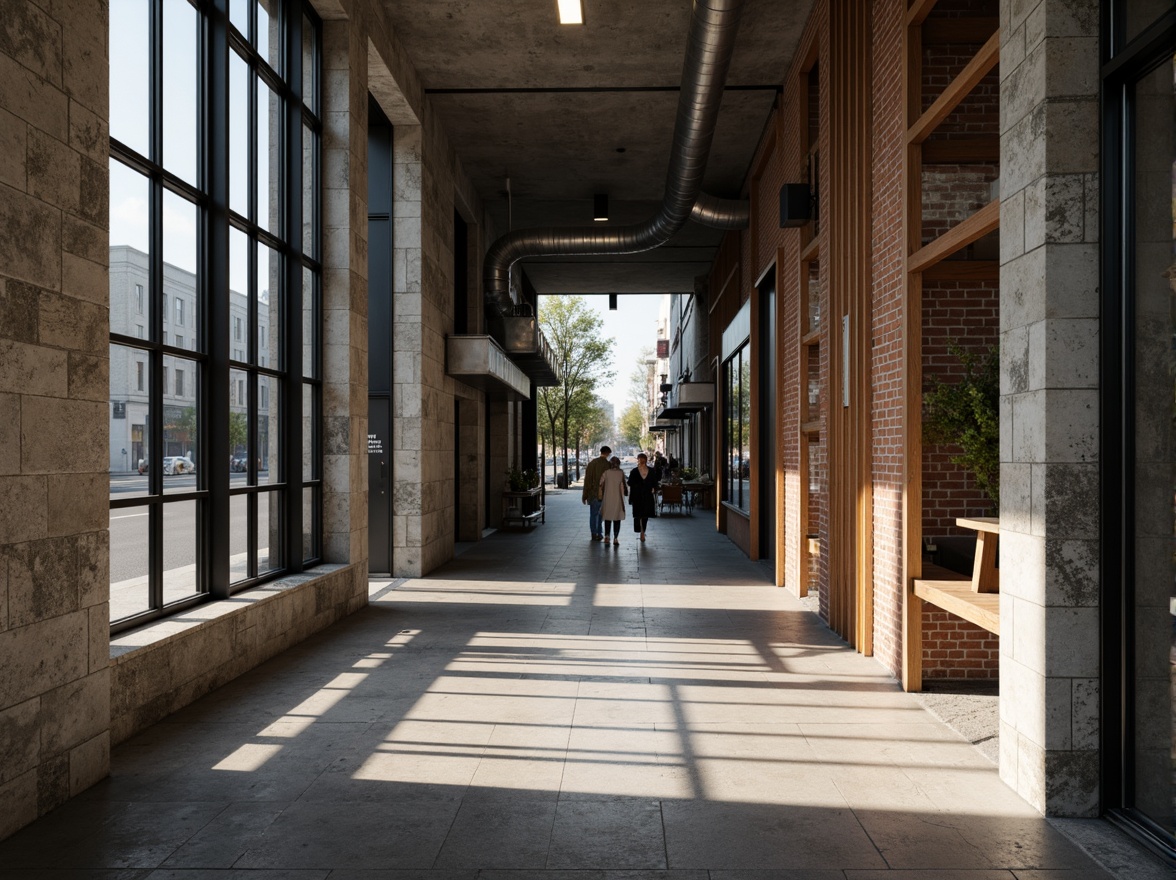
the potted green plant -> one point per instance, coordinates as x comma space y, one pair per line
520, 480
965, 412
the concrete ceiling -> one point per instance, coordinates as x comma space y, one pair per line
566, 112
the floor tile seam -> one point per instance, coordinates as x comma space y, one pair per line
857, 818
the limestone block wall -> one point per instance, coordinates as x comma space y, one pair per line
161, 668
345, 333
408, 422
54, 608
1049, 398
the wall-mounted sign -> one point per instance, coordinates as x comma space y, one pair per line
663, 349
375, 444
120, 410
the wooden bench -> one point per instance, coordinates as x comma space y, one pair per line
953, 592
975, 599
978, 599
523, 508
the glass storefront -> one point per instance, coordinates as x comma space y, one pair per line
1149, 618
1139, 410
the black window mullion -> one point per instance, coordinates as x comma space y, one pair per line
216, 328
290, 342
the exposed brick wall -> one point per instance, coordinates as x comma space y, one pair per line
952, 193
965, 314
955, 649
889, 283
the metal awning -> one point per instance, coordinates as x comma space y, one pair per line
665, 426
480, 362
523, 341
689, 398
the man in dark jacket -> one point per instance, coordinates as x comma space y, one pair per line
591, 492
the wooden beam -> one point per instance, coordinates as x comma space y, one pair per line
963, 270
968, 31
957, 90
984, 221
956, 597
918, 11
961, 151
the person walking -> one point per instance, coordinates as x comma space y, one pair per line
591, 491
612, 500
642, 484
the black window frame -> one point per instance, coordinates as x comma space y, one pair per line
210, 350
1124, 62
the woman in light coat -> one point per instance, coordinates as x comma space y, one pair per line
613, 490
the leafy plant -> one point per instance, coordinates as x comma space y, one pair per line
521, 481
966, 413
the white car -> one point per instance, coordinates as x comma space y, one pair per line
178, 464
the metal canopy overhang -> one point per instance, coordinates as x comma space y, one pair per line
690, 398
678, 412
480, 362
665, 426
523, 343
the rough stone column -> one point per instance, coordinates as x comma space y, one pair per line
54, 407
1049, 403
408, 435
345, 303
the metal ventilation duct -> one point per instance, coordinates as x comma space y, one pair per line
721, 213
713, 25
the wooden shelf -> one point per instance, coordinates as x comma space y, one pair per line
963, 270
813, 427
811, 252
984, 221
958, 598
957, 90
813, 338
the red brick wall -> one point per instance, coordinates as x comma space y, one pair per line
886, 366
956, 649
966, 314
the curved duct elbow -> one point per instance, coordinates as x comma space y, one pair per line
713, 25
721, 213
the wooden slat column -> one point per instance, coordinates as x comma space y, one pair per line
850, 232
912, 336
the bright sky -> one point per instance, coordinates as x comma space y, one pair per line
633, 326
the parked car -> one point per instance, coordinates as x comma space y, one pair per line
178, 464
238, 465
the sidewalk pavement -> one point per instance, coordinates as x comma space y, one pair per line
546, 704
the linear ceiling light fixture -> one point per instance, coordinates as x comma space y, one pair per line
570, 12
600, 207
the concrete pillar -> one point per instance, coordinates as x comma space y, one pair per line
54, 407
407, 411
345, 338
1049, 403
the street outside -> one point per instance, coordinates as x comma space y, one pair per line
129, 541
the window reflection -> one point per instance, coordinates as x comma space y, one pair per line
737, 429
179, 88
130, 74
1151, 618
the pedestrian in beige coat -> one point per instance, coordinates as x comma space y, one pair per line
613, 490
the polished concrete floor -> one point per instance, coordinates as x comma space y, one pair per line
546, 705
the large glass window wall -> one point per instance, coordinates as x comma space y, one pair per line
737, 429
1139, 411
215, 379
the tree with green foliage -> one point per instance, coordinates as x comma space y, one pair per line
573, 330
632, 424
966, 413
